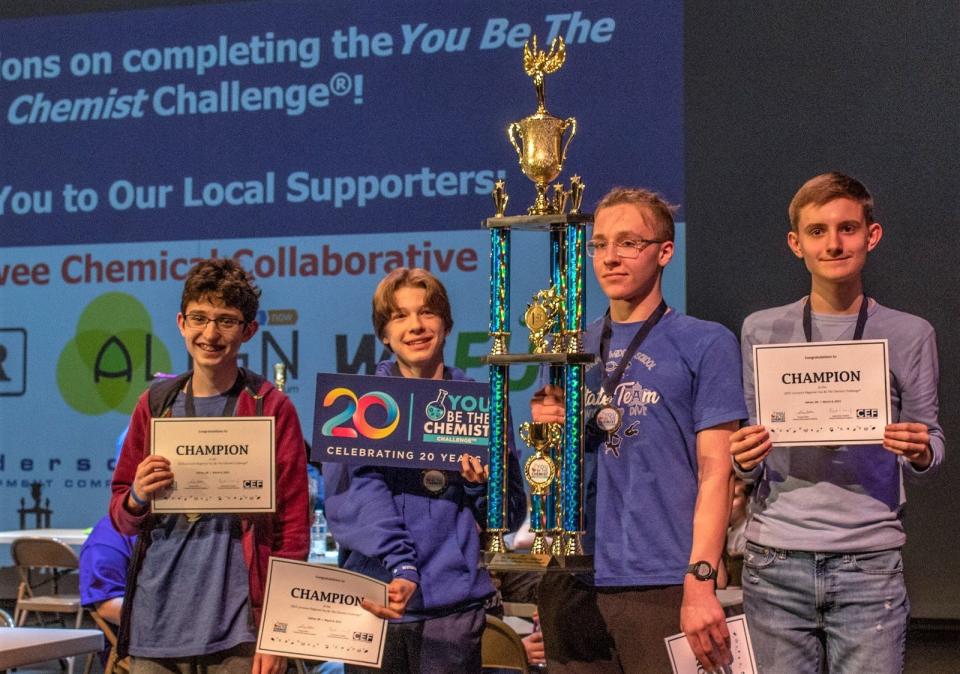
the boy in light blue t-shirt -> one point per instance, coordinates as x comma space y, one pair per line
823, 577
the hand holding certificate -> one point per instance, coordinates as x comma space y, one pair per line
823, 393
219, 464
316, 612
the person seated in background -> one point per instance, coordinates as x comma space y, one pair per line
104, 559
419, 531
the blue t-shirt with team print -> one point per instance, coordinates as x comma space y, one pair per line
641, 479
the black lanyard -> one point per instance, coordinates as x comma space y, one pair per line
190, 409
857, 332
611, 381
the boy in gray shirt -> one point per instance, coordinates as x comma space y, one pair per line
823, 576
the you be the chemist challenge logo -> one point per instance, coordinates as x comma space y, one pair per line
395, 421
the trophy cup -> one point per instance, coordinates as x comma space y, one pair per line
538, 139
541, 472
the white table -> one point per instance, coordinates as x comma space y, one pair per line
68, 536
21, 646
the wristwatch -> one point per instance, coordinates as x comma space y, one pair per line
702, 570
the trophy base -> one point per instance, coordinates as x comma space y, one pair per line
538, 222
518, 562
580, 358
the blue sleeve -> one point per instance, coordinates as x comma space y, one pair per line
103, 573
749, 399
919, 401
718, 394
363, 516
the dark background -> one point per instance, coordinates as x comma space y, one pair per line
779, 92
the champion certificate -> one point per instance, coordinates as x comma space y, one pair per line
823, 393
219, 464
313, 611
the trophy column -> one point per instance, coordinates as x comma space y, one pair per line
573, 422
499, 383
551, 501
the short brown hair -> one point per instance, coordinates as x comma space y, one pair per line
659, 207
826, 187
221, 281
385, 303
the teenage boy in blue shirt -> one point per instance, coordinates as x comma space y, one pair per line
823, 576
658, 475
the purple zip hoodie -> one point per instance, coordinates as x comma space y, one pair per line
388, 526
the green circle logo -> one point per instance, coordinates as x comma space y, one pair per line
111, 358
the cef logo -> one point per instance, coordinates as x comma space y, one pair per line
112, 356
353, 419
868, 413
13, 361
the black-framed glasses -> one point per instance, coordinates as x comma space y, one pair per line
224, 323
628, 249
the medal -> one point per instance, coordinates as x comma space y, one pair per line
434, 481
540, 471
608, 419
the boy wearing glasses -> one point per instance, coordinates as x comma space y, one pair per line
660, 404
195, 590
832, 517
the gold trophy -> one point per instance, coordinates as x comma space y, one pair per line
538, 139
544, 312
540, 470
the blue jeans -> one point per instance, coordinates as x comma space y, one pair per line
815, 612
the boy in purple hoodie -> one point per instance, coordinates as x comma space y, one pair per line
419, 531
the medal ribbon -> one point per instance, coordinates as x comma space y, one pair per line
857, 331
611, 381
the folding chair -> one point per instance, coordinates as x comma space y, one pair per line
501, 647
113, 664
52, 559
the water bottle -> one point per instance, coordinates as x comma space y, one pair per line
318, 537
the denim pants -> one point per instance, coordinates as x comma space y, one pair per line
836, 612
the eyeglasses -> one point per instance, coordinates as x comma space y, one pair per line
625, 249
224, 323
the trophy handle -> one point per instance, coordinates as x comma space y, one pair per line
513, 132
525, 432
569, 123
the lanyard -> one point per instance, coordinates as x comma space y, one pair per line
232, 395
857, 332
611, 381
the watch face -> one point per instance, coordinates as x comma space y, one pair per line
702, 570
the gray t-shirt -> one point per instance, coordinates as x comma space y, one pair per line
193, 594
849, 498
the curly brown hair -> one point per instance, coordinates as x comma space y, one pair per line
221, 281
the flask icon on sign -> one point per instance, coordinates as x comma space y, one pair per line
436, 409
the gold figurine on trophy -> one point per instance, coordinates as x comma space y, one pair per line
538, 138
542, 314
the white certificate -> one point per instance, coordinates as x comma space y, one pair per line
313, 611
219, 464
823, 393
684, 661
